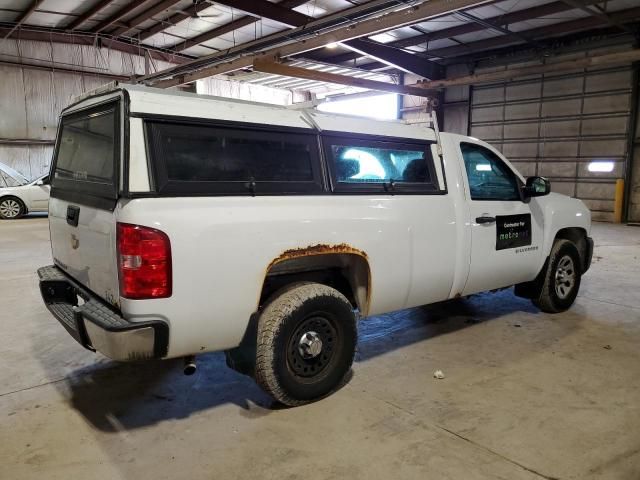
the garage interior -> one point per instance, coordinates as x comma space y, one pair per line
553, 85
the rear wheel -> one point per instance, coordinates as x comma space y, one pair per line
305, 344
562, 278
11, 208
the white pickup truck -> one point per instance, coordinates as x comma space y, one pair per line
183, 224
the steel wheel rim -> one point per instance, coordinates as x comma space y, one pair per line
565, 278
9, 208
319, 331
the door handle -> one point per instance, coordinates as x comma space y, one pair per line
73, 214
485, 219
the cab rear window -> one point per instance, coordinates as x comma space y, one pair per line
197, 158
87, 153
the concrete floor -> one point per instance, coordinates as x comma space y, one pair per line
526, 395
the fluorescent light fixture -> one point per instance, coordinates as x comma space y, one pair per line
601, 166
483, 167
332, 45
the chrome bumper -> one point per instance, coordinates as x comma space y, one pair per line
96, 325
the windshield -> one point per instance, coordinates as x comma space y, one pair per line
10, 177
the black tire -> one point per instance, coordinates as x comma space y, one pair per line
561, 280
291, 328
8, 206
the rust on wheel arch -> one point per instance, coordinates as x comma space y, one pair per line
325, 249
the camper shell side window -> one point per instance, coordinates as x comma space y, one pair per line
372, 164
203, 158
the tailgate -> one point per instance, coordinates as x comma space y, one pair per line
84, 193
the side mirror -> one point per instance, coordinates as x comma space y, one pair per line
537, 187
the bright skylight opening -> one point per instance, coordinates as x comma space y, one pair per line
601, 166
380, 107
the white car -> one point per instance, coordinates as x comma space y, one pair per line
182, 224
19, 196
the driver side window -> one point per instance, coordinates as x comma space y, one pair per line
489, 177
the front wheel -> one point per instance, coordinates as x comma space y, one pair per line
305, 344
562, 278
11, 208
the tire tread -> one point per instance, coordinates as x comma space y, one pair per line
545, 301
270, 323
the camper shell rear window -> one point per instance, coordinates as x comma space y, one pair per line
86, 158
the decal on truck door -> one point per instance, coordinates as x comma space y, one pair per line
513, 231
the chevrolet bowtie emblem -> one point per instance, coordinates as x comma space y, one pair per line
75, 243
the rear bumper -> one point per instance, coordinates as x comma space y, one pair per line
588, 255
96, 325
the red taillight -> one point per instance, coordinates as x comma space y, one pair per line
144, 262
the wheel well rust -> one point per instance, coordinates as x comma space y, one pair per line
341, 266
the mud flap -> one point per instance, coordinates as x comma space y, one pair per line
532, 289
242, 359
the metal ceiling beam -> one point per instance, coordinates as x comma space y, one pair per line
230, 27
624, 16
395, 19
214, 33
268, 66
580, 41
581, 5
262, 43
88, 14
501, 20
191, 11
498, 28
132, 5
41, 34
620, 58
54, 68
24, 15
542, 34
391, 56
265, 9
394, 57
144, 16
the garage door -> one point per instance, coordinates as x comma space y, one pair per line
571, 128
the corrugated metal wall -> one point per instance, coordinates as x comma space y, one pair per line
31, 100
555, 125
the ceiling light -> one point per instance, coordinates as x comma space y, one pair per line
332, 45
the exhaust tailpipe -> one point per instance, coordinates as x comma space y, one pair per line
190, 365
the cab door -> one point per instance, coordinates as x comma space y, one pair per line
506, 232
